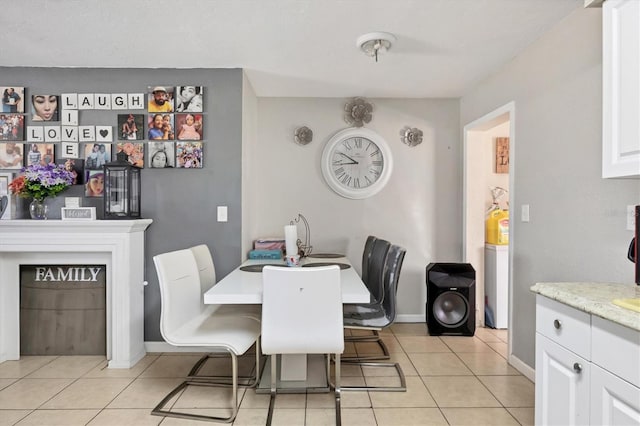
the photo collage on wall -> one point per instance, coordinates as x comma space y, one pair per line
170, 135
175, 126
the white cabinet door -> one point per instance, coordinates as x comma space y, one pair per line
621, 88
562, 385
614, 402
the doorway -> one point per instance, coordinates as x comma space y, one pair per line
479, 176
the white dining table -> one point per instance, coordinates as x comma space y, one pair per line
298, 373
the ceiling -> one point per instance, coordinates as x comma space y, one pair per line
288, 48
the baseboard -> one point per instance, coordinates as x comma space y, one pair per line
155, 347
528, 372
410, 318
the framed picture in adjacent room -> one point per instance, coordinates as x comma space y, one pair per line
11, 155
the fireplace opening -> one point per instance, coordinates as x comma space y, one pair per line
63, 310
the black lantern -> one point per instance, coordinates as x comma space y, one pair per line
122, 189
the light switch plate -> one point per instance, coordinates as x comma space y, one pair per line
525, 213
222, 214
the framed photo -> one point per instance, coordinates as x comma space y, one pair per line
189, 127
162, 155
40, 153
75, 166
12, 129
78, 213
134, 151
131, 127
45, 108
160, 99
11, 155
502, 155
5, 180
96, 155
189, 98
160, 127
189, 155
12, 99
95, 183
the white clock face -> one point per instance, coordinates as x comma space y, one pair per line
356, 163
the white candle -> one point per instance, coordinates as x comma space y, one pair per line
290, 239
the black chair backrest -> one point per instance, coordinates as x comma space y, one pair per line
366, 255
393, 265
375, 271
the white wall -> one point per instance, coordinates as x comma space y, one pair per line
418, 209
577, 228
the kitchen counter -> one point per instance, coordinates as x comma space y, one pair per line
595, 299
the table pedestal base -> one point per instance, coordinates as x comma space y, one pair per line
316, 378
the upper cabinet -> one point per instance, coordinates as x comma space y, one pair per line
621, 88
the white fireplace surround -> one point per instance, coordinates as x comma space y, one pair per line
119, 244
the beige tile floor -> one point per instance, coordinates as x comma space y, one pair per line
450, 381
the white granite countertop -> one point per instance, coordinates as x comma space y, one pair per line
595, 299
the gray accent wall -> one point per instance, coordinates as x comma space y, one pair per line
181, 202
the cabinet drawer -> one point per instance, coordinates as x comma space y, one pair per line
564, 325
617, 349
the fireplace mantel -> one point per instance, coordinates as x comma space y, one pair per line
117, 243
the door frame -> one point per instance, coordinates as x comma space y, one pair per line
485, 122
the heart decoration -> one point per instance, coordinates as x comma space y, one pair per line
104, 133
4, 202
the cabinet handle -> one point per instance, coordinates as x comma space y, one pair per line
577, 367
557, 324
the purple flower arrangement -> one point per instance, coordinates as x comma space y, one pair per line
39, 182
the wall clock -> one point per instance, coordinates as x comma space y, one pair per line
356, 163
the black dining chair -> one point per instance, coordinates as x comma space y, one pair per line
373, 260
375, 317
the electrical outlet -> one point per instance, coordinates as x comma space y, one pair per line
631, 218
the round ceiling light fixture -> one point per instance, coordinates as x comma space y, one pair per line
373, 43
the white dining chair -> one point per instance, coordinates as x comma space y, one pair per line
302, 314
185, 323
207, 270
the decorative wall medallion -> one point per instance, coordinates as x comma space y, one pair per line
303, 135
412, 136
357, 112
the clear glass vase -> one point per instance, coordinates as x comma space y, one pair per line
39, 209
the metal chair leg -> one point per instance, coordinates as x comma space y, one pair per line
272, 399
158, 411
337, 388
221, 380
360, 358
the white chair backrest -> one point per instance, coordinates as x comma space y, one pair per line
302, 310
207, 270
179, 290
